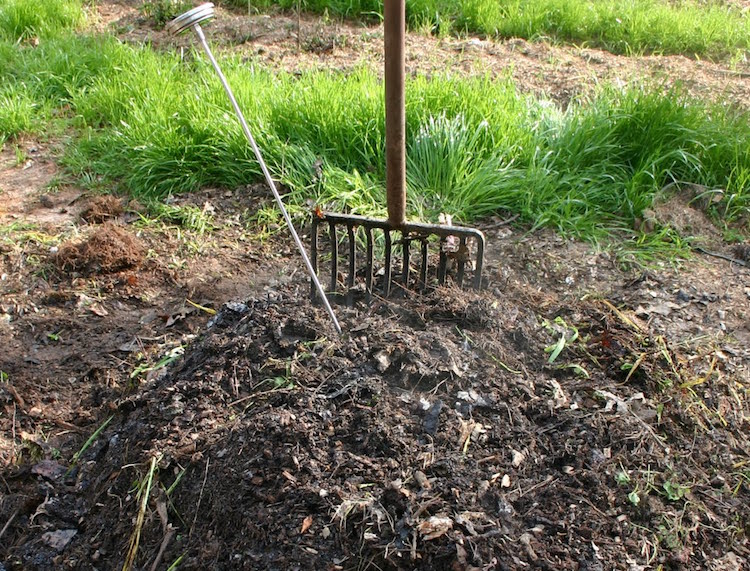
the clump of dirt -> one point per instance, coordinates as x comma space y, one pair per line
742, 252
110, 248
102, 208
453, 431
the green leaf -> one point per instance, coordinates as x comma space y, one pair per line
634, 498
555, 349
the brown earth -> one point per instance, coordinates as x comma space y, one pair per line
436, 433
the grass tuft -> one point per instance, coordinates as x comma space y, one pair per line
22, 20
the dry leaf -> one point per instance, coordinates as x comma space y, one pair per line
306, 524
435, 527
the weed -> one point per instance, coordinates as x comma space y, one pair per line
21, 155
674, 491
144, 492
166, 360
162, 11
189, 217
568, 336
176, 563
474, 146
19, 113
90, 441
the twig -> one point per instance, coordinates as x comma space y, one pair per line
7, 487
721, 256
10, 521
13, 435
200, 497
16, 396
549, 480
501, 223
164, 543
427, 505
260, 394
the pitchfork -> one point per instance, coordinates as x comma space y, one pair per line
455, 243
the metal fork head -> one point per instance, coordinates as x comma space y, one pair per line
458, 246
190, 18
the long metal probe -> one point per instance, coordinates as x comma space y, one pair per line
197, 28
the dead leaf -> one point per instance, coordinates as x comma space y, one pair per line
434, 527
306, 523
48, 469
422, 480
518, 457
383, 361
58, 540
97, 309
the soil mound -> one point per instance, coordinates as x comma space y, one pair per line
453, 431
110, 248
102, 208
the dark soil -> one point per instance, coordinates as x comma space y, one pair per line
435, 434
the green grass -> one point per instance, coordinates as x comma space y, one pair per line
156, 125
18, 112
21, 19
475, 146
708, 29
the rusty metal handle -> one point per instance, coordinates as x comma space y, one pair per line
394, 21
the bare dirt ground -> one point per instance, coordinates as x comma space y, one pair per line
238, 431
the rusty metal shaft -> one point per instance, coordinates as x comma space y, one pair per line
394, 21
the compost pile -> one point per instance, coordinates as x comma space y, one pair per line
452, 431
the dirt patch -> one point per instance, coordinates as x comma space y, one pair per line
27, 169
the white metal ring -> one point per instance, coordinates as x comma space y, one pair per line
191, 17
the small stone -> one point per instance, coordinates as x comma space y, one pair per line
422, 480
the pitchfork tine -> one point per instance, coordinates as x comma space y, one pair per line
334, 256
387, 276
368, 269
405, 273
423, 270
352, 256
443, 263
461, 261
